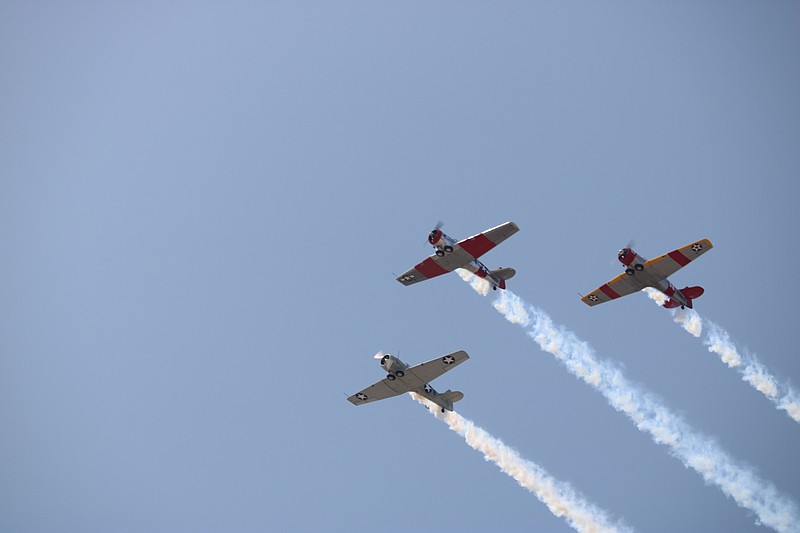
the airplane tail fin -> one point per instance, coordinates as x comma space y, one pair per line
690, 293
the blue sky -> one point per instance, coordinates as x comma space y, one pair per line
202, 206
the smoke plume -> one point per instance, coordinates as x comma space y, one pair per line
652, 416
560, 498
718, 341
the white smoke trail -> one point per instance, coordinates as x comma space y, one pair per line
650, 415
481, 286
560, 498
688, 318
751, 369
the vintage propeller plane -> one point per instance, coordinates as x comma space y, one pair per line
403, 378
451, 255
641, 273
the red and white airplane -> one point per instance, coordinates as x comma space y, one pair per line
641, 273
451, 255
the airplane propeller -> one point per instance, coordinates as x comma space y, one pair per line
378, 355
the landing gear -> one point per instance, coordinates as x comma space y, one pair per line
443, 409
683, 307
448, 248
440, 253
391, 377
400, 373
629, 271
639, 267
494, 287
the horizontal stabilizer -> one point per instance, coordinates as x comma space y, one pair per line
692, 292
452, 396
504, 273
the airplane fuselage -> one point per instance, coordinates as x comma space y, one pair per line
634, 266
443, 244
669, 290
397, 373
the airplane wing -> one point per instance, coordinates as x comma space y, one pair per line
430, 268
479, 244
668, 264
463, 252
430, 370
379, 391
622, 285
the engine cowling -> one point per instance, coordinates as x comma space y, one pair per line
435, 236
626, 256
629, 258
391, 363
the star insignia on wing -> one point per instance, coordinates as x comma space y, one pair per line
593, 298
361, 396
448, 359
697, 247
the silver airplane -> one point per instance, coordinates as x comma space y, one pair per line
403, 378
